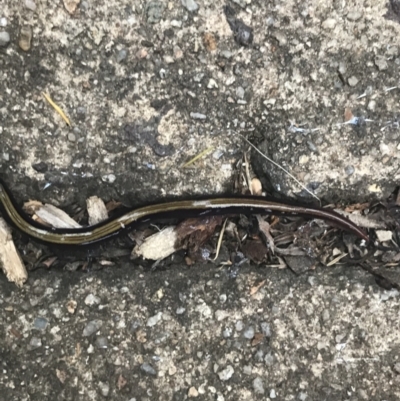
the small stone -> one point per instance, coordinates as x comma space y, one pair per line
193, 392
190, 5
349, 170
247, 370
303, 159
212, 84
142, 53
40, 167
110, 178
381, 63
384, 235
226, 373
154, 11
71, 137
101, 342
121, 56
176, 24
104, 389
371, 105
272, 394
227, 332
91, 300
249, 333
30, 5
342, 67
71, 5
148, 369
329, 24
216, 156
227, 54
40, 323
180, 310
35, 343
396, 367
92, 327
198, 116
354, 15
265, 329
269, 359
4, 39
3, 22
258, 385
152, 321
25, 38
353, 81
240, 92
239, 326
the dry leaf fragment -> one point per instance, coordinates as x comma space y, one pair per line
255, 288
257, 339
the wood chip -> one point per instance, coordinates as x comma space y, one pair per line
158, 246
56, 217
10, 260
96, 209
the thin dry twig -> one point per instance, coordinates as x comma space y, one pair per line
279, 166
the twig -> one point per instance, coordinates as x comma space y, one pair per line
277, 165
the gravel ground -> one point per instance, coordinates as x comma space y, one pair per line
128, 333
148, 85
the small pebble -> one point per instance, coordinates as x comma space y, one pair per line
240, 92
354, 15
381, 63
352, 81
104, 389
35, 343
92, 327
101, 342
247, 369
198, 116
4, 39
266, 329
269, 359
212, 84
239, 326
272, 394
258, 385
152, 321
227, 332
154, 11
110, 178
40, 323
226, 373
3, 22
227, 54
249, 333
180, 310
349, 170
30, 5
216, 156
148, 369
71, 137
396, 367
91, 300
190, 5
25, 38
193, 392
121, 55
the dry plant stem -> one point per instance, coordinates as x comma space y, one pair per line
280, 167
